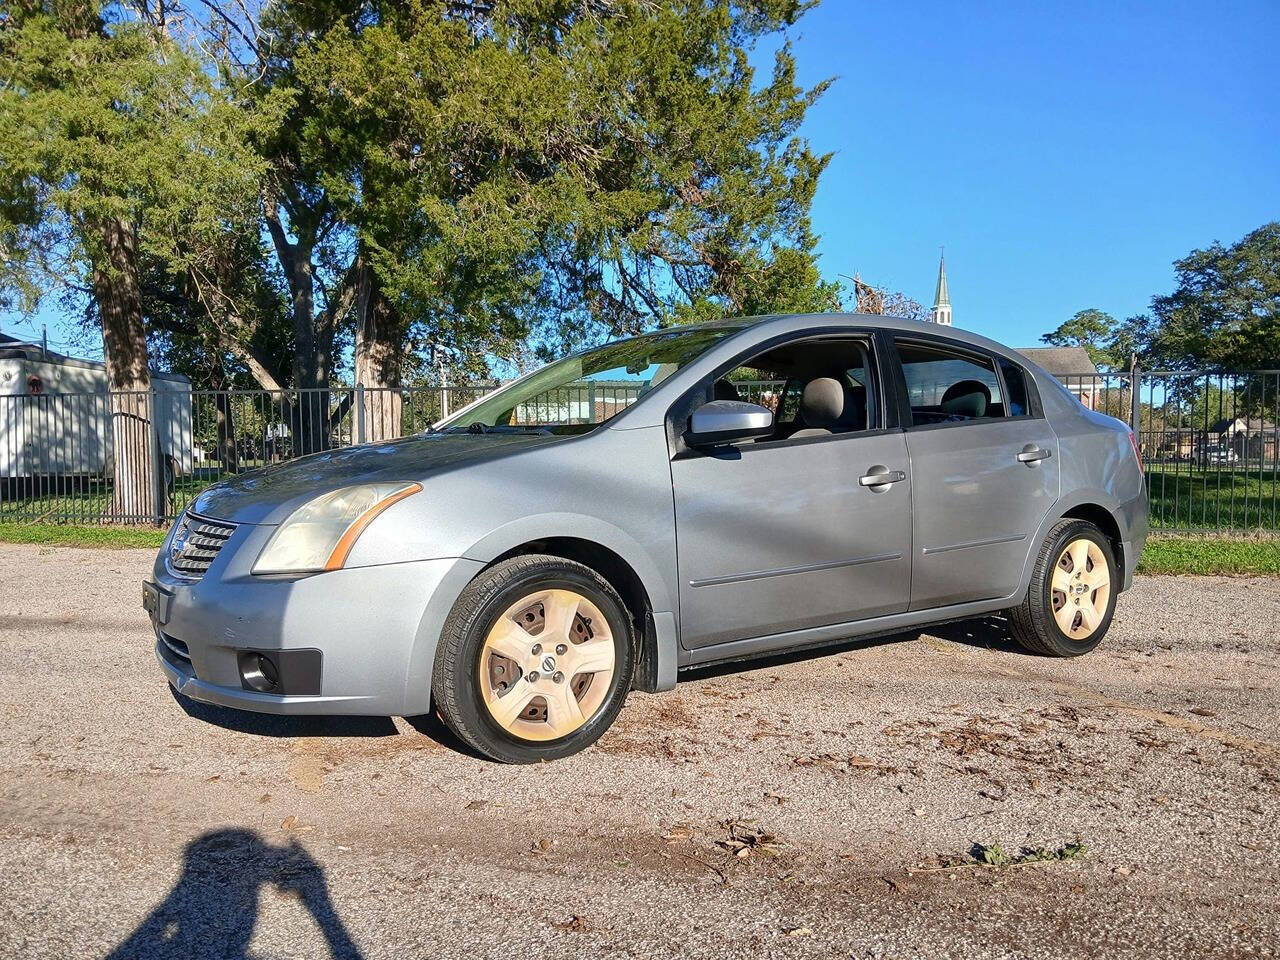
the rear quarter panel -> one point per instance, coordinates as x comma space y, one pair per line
1097, 465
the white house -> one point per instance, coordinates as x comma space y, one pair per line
55, 417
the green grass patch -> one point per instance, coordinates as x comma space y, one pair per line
1237, 556
1234, 497
66, 535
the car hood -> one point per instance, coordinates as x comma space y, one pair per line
270, 494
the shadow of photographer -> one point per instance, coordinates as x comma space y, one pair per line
212, 909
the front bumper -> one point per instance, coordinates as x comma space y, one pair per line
375, 629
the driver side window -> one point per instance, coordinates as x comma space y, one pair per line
814, 388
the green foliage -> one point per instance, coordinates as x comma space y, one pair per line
1094, 330
108, 119
1225, 311
566, 172
993, 855
495, 180
1224, 314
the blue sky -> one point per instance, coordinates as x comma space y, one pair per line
1065, 154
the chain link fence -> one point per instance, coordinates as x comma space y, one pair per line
1210, 441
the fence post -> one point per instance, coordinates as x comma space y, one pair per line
359, 413
1135, 401
158, 510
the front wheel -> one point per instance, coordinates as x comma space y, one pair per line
1072, 594
535, 660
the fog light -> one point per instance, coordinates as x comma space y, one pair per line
258, 672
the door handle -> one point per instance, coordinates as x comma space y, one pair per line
880, 477
1032, 454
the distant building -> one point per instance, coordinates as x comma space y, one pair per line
941, 311
56, 420
1072, 366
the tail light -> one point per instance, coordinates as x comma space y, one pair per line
1137, 454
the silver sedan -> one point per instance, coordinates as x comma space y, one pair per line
698, 494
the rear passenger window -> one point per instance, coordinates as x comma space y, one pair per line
946, 386
1015, 382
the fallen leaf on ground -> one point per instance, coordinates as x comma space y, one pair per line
576, 924
745, 838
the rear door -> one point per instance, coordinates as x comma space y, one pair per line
984, 466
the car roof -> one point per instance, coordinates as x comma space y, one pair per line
786, 322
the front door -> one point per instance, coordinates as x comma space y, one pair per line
806, 529
985, 472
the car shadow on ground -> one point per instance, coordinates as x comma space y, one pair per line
213, 908
989, 632
273, 725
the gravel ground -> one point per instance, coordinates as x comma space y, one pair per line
856, 781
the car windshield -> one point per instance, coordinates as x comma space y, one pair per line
580, 392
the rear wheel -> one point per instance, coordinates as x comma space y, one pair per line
535, 660
1072, 594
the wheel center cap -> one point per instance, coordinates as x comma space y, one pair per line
1081, 589
549, 664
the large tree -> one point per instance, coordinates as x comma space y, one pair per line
1224, 313
1094, 330
489, 181
113, 142
502, 180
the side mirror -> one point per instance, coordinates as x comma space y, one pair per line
724, 421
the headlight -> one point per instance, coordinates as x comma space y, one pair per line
319, 535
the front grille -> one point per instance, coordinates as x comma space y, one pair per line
196, 543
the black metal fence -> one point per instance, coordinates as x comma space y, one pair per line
142, 457
1210, 441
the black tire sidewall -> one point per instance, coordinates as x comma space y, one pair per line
1059, 643
495, 740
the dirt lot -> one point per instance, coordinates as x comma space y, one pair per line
857, 782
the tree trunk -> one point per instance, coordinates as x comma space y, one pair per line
226, 423
124, 347
378, 355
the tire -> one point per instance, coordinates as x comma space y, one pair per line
514, 607
1060, 626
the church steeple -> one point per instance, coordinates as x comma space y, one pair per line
941, 312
